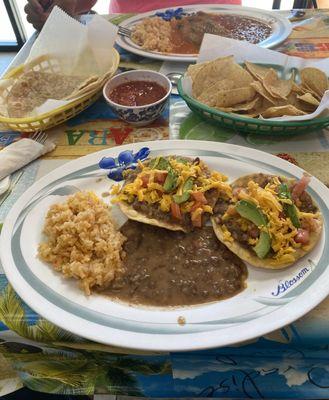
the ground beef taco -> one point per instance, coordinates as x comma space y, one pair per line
270, 221
177, 193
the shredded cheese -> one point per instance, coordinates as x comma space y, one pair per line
281, 229
226, 234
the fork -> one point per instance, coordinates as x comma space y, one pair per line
125, 31
11, 187
39, 136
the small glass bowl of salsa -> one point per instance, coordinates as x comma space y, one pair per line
138, 97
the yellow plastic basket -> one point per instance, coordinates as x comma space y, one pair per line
60, 114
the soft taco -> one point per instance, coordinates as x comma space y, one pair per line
176, 193
270, 221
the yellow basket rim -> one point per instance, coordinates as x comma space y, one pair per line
60, 109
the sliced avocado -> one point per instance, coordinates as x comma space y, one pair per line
182, 160
249, 211
154, 162
171, 181
290, 210
263, 245
163, 164
159, 163
188, 185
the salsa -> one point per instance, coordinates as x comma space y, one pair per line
187, 33
166, 268
137, 93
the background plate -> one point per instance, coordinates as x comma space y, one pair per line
271, 300
281, 28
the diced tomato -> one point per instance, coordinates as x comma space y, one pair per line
300, 186
197, 221
160, 177
175, 211
196, 205
236, 191
145, 179
231, 210
303, 236
199, 197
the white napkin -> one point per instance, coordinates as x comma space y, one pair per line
18, 154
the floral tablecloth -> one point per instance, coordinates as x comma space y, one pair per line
290, 363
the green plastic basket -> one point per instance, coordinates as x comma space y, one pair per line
239, 123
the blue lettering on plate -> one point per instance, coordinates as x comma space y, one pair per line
284, 286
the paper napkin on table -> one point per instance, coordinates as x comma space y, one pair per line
21, 153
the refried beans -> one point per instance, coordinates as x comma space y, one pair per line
166, 268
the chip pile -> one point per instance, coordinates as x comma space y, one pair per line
255, 90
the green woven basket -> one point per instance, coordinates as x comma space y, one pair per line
251, 125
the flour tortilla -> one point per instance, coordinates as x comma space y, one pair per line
247, 254
33, 88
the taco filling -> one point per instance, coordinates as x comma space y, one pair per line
177, 193
270, 221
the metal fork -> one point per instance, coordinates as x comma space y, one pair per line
12, 185
39, 136
125, 31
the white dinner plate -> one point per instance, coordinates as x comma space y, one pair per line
271, 300
281, 28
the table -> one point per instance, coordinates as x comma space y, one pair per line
291, 362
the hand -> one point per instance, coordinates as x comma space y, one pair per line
38, 10
35, 14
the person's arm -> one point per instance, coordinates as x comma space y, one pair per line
37, 11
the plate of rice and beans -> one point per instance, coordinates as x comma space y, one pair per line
146, 242
176, 34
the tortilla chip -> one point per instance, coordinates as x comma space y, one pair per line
228, 87
139, 217
307, 89
217, 70
309, 98
258, 71
193, 69
282, 111
263, 92
297, 88
228, 98
209, 95
247, 106
314, 79
278, 88
209, 73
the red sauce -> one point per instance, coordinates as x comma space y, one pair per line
187, 33
137, 93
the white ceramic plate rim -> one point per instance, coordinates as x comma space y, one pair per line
248, 11
313, 295
4, 185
